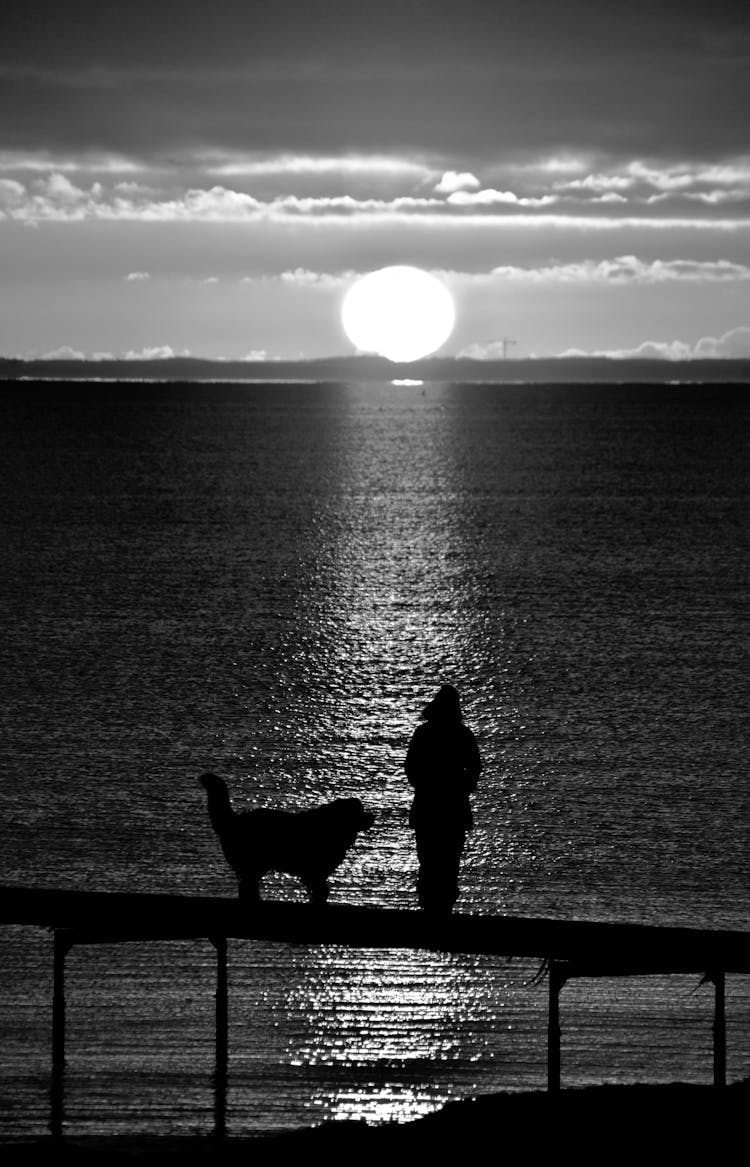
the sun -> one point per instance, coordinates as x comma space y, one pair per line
401, 313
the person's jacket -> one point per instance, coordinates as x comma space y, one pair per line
443, 765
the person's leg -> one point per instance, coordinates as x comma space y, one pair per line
453, 850
439, 854
425, 856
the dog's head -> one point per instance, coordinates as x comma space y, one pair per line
213, 785
351, 812
218, 795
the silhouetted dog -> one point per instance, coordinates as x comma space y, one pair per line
309, 844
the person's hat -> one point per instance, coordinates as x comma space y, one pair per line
446, 704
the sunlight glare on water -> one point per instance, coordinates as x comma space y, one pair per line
399, 1025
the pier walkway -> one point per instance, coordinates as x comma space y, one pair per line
566, 949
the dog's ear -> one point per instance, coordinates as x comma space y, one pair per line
345, 806
357, 808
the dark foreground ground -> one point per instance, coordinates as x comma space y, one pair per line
601, 1124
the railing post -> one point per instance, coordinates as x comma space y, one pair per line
61, 947
557, 978
222, 1037
720, 1034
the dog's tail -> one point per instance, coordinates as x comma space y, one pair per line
219, 806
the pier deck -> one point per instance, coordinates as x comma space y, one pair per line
565, 948
605, 949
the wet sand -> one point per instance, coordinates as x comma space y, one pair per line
595, 1124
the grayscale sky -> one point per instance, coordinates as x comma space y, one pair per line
211, 177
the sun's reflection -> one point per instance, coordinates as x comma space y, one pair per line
393, 607
375, 1105
398, 1022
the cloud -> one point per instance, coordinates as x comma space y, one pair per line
573, 182
591, 201
598, 183
65, 352
275, 164
628, 269
559, 164
137, 276
154, 352
453, 181
350, 206
466, 198
685, 176
56, 198
732, 344
12, 193
59, 188
302, 277
488, 350
672, 350
642, 182
735, 343
218, 203
83, 161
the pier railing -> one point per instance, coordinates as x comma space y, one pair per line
566, 949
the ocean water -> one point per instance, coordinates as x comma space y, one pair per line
269, 581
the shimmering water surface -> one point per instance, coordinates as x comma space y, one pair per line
269, 581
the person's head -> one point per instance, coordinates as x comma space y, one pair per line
445, 706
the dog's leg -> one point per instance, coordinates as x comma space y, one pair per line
249, 890
317, 889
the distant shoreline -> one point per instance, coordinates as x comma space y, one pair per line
458, 370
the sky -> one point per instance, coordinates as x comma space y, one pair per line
210, 178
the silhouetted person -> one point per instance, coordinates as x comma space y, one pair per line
443, 765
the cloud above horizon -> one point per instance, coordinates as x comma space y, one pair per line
637, 190
734, 344
576, 172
